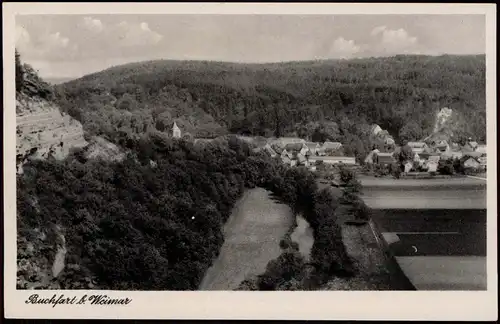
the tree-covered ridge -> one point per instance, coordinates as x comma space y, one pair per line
402, 94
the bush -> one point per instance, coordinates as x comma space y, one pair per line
361, 211
446, 167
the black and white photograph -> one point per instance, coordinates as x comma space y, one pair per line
206, 152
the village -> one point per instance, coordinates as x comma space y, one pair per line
425, 155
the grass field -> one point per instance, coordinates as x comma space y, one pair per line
252, 235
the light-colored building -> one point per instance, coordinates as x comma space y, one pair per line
176, 131
313, 147
283, 141
269, 150
330, 148
286, 160
417, 147
333, 159
481, 148
470, 146
432, 166
289, 155
376, 130
370, 157
297, 148
389, 141
434, 158
408, 166
470, 162
442, 146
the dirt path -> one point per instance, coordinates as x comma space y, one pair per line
252, 236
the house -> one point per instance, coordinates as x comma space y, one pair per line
297, 148
470, 146
389, 141
470, 162
277, 148
434, 158
442, 146
432, 166
369, 158
408, 166
286, 160
474, 154
301, 159
312, 168
269, 150
417, 147
333, 159
289, 155
481, 149
331, 148
176, 131
293, 163
482, 161
375, 130
384, 158
313, 147
289, 140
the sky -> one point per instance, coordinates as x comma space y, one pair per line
74, 45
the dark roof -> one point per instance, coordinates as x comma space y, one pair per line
293, 147
332, 145
385, 158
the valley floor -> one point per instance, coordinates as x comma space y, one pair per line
252, 235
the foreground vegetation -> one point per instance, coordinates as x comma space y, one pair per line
136, 225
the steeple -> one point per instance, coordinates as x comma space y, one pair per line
176, 132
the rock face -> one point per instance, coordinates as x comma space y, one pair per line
441, 118
43, 131
446, 121
103, 149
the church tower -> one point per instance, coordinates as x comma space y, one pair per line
176, 132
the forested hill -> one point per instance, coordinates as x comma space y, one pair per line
343, 98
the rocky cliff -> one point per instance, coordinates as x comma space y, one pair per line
43, 131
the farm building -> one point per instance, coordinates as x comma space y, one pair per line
333, 159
